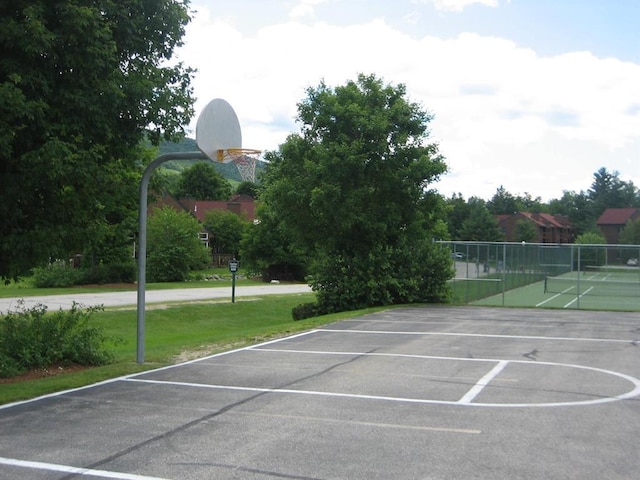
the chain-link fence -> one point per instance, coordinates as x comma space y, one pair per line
485, 269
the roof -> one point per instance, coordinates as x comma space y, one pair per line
618, 216
547, 220
242, 205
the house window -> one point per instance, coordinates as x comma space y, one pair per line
204, 238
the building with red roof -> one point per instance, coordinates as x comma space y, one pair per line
613, 220
242, 205
549, 228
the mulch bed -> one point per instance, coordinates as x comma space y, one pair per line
44, 372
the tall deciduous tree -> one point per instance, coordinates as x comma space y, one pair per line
226, 229
203, 182
480, 225
354, 187
578, 208
458, 211
267, 248
81, 83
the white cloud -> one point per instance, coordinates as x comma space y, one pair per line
503, 114
304, 9
459, 5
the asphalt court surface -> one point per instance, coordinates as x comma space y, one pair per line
413, 393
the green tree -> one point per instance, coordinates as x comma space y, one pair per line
578, 207
203, 182
529, 204
226, 229
173, 246
591, 254
164, 180
268, 249
458, 211
480, 225
525, 231
81, 84
353, 189
248, 188
503, 203
609, 191
630, 234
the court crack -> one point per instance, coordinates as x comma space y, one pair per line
166, 435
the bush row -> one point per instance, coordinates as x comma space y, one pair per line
60, 274
32, 338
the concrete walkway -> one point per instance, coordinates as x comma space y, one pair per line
121, 299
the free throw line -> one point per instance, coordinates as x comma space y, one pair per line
483, 382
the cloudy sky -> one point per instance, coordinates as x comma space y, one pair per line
533, 95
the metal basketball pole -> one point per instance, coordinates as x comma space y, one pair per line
142, 237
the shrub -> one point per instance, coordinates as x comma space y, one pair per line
305, 310
33, 338
56, 275
111, 273
60, 274
9, 367
173, 246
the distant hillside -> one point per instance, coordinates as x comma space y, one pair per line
227, 170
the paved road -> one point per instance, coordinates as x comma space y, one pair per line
119, 299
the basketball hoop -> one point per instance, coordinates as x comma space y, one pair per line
244, 159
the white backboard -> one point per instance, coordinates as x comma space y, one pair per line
218, 128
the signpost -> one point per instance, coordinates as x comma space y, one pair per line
233, 268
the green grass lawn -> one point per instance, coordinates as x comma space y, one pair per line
179, 332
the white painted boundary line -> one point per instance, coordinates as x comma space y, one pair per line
52, 467
554, 297
483, 382
480, 335
630, 394
578, 297
118, 379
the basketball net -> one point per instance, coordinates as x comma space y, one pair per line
244, 159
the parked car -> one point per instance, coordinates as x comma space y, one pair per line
632, 262
457, 255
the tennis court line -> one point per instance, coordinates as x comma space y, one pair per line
483, 382
53, 467
578, 297
554, 297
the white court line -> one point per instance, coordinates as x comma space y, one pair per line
290, 391
119, 379
483, 382
53, 467
624, 396
480, 335
554, 297
578, 297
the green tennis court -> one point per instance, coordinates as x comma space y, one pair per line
570, 276
599, 290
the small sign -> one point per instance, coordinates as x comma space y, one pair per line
233, 266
